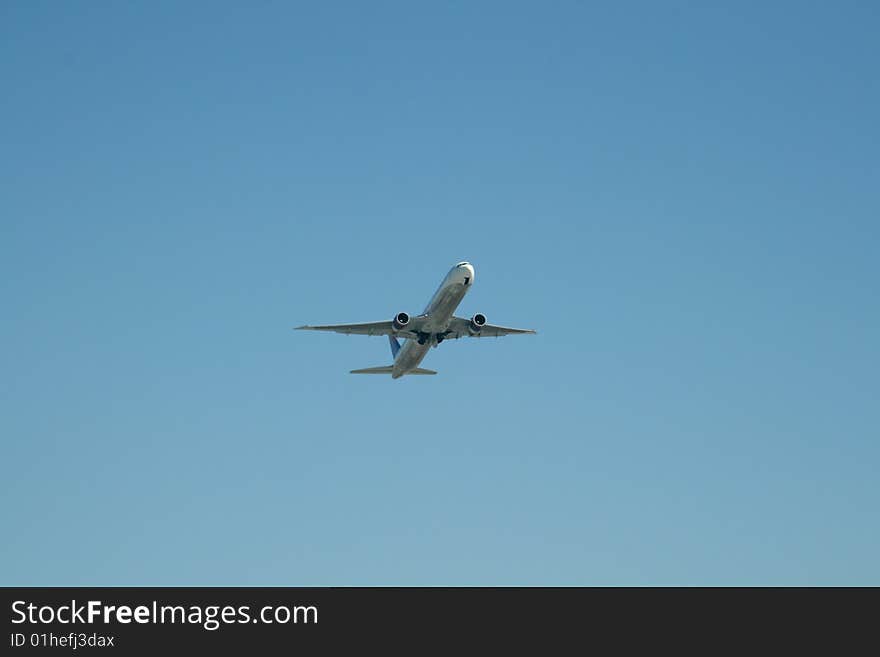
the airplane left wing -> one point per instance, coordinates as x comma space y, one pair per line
368, 328
460, 327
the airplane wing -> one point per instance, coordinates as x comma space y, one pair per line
459, 327
370, 328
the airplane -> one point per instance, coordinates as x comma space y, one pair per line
436, 324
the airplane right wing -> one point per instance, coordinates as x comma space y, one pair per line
459, 328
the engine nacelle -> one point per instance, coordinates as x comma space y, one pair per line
400, 321
478, 321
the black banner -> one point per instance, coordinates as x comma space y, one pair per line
153, 620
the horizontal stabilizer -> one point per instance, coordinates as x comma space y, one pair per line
387, 370
374, 370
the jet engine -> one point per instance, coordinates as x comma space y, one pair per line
477, 323
400, 321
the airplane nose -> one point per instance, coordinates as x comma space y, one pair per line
468, 272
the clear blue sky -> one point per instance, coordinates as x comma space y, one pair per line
683, 200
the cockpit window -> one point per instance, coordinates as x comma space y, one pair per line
462, 264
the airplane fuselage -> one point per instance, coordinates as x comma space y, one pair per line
438, 314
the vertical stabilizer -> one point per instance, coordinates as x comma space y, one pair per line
395, 346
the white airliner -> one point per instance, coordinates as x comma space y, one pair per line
436, 324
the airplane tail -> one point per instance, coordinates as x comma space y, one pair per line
388, 368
